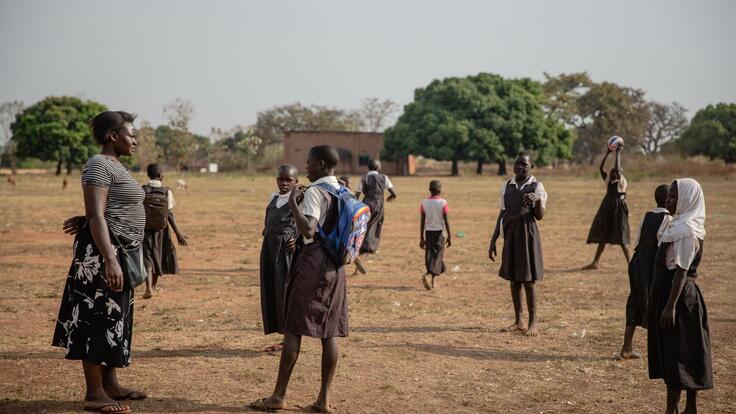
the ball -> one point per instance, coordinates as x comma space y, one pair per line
614, 142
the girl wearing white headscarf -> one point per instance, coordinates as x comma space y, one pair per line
678, 336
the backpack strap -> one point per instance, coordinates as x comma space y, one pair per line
332, 213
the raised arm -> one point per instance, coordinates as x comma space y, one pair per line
619, 148
602, 168
307, 225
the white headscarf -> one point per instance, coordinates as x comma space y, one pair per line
689, 218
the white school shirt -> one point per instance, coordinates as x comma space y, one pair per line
682, 252
157, 184
665, 220
315, 204
539, 191
434, 209
281, 199
389, 185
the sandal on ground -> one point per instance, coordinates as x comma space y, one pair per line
628, 355
133, 395
260, 405
108, 408
274, 348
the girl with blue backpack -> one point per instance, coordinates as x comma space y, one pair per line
315, 302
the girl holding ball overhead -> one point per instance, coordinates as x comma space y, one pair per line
611, 222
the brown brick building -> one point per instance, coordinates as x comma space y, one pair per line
356, 149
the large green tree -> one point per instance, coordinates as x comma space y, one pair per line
57, 129
712, 132
477, 118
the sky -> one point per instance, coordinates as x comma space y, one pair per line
233, 59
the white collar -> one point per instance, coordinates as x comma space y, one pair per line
155, 183
531, 179
659, 210
373, 172
330, 179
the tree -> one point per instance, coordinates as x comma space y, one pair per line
376, 113
477, 118
237, 150
666, 123
179, 113
562, 94
8, 112
177, 146
712, 133
57, 129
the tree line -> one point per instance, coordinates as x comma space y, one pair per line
481, 118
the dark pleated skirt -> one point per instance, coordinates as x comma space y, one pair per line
521, 259
611, 222
681, 355
434, 252
375, 225
94, 323
641, 274
316, 301
275, 262
159, 253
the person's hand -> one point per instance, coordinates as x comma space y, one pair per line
182, 239
531, 198
391, 198
668, 318
492, 251
291, 245
297, 194
422, 243
74, 225
449, 241
113, 274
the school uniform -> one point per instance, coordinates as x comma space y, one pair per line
316, 302
373, 185
434, 209
521, 259
159, 251
611, 222
681, 355
641, 268
279, 228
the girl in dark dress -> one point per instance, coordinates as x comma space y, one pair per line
279, 237
611, 222
315, 303
523, 201
679, 336
641, 270
95, 322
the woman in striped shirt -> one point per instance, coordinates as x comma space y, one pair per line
95, 322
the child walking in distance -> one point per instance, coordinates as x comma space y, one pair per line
316, 290
279, 239
641, 270
523, 201
373, 186
434, 219
611, 222
159, 253
678, 334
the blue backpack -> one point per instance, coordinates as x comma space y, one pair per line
347, 234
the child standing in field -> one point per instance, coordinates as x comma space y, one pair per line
159, 253
641, 270
316, 290
374, 185
523, 201
434, 210
611, 222
678, 335
279, 238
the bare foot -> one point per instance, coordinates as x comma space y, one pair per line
425, 282
269, 404
591, 266
274, 348
630, 354
435, 282
319, 407
515, 327
532, 330
104, 404
148, 294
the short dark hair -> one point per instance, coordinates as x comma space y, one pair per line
435, 186
661, 193
373, 165
292, 170
326, 153
109, 121
526, 154
154, 171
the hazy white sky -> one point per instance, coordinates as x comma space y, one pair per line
235, 58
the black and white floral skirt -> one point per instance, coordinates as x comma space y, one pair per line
95, 324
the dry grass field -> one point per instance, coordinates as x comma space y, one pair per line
198, 344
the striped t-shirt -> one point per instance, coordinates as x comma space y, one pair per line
124, 210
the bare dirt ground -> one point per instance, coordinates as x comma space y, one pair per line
198, 344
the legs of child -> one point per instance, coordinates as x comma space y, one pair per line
627, 350
289, 355
531, 303
673, 399
329, 365
435, 282
626, 253
598, 253
518, 325
691, 406
425, 281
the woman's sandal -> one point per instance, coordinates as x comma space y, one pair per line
133, 395
260, 405
628, 355
108, 408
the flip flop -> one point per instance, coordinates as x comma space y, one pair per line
628, 355
260, 405
314, 408
105, 408
133, 395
